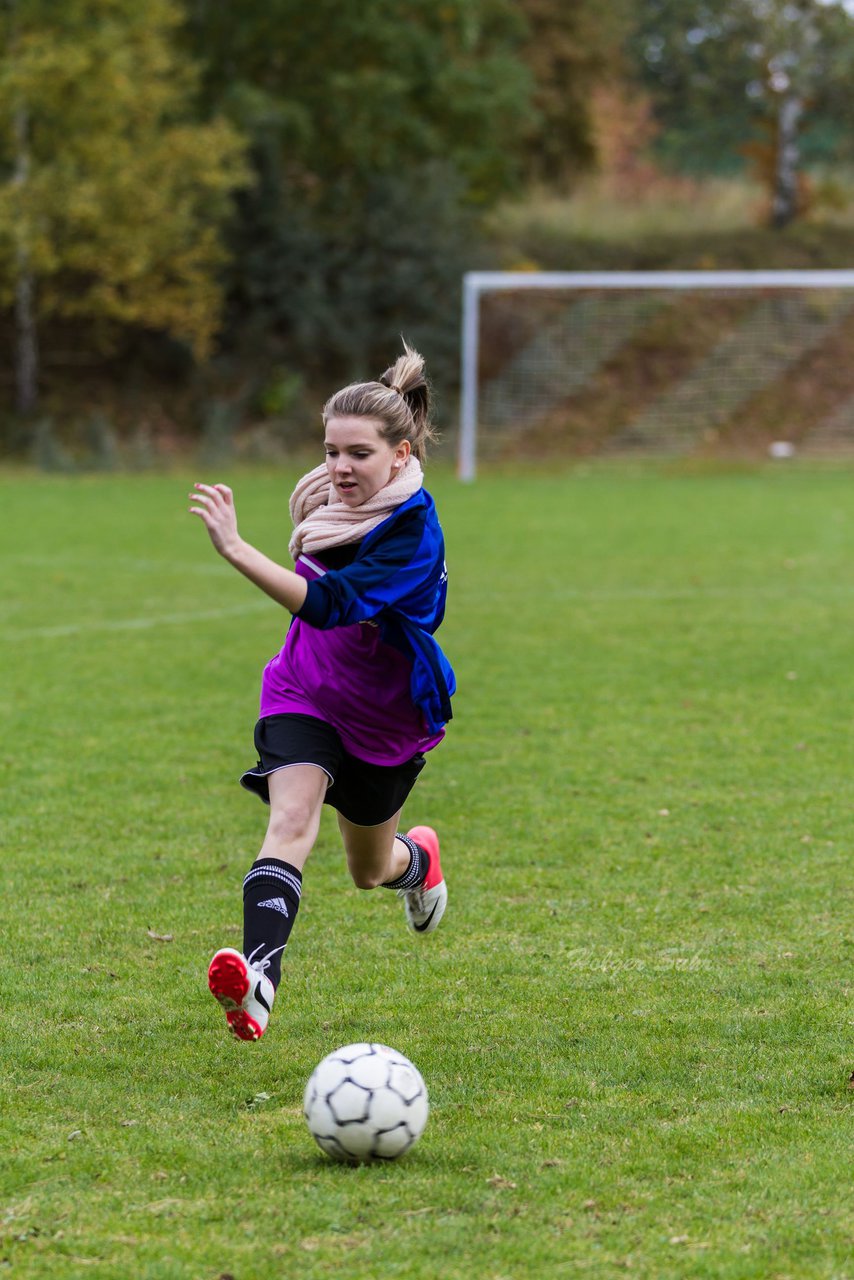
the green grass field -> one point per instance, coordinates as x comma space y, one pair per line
636, 1022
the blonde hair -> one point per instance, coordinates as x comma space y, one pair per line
399, 400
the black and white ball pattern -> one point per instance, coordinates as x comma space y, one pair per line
365, 1102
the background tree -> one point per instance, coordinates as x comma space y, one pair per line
378, 132
572, 51
799, 55
110, 195
766, 78
694, 58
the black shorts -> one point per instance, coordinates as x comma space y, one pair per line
365, 794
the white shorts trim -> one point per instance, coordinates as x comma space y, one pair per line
265, 773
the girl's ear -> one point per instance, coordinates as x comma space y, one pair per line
402, 452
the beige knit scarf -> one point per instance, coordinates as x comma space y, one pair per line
322, 519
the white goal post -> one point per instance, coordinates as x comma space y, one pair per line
477, 284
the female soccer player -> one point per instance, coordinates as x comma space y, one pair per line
360, 691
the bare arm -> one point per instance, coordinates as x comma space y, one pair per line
216, 509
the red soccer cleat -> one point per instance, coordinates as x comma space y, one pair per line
243, 990
426, 905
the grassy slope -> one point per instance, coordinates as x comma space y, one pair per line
666, 223
636, 1022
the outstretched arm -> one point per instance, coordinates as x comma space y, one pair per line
216, 509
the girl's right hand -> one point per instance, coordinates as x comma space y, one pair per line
216, 510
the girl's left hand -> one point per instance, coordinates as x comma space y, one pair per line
216, 509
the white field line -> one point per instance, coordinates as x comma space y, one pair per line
130, 563
146, 623
592, 595
747, 592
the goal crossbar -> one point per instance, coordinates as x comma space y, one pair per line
477, 283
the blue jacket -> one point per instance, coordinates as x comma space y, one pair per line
398, 580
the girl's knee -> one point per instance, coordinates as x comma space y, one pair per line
292, 821
364, 879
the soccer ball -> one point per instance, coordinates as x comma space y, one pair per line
365, 1102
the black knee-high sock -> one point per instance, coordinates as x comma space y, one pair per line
419, 864
271, 896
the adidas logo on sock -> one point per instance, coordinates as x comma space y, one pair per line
276, 904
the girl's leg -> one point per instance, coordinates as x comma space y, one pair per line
272, 889
296, 800
410, 864
245, 983
374, 854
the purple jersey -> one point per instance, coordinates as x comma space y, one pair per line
348, 677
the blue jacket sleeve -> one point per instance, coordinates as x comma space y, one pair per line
398, 563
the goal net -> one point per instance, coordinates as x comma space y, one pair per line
662, 362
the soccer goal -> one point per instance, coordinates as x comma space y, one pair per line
665, 362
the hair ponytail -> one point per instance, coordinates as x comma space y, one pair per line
400, 399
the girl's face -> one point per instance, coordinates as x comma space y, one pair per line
358, 460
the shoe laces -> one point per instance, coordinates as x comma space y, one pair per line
261, 966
